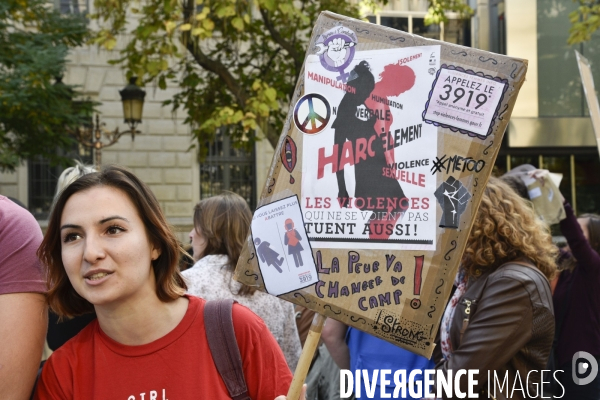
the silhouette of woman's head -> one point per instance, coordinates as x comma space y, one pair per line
362, 80
289, 224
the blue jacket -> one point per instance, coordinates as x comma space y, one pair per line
368, 353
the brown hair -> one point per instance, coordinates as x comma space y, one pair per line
517, 184
62, 298
513, 178
224, 221
506, 229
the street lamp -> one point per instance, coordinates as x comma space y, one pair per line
132, 97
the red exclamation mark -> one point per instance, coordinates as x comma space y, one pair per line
418, 272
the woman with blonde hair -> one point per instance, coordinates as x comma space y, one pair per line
221, 226
70, 175
500, 319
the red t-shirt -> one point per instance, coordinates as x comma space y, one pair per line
178, 366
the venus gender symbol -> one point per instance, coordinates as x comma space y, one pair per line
336, 49
312, 113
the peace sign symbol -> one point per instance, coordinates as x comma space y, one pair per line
312, 113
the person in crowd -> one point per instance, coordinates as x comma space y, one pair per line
187, 260
221, 226
576, 300
576, 304
513, 178
109, 248
23, 318
500, 318
353, 349
70, 175
60, 331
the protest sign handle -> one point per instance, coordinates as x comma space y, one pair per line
310, 345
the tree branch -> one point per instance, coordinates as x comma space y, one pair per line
221, 71
271, 135
267, 65
277, 38
232, 84
214, 66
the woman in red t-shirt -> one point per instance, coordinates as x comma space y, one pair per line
109, 249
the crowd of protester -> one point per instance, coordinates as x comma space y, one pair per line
519, 304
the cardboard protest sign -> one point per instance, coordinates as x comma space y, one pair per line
389, 141
587, 80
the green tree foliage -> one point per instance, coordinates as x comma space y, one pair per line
437, 10
585, 20
34, 43
236, 61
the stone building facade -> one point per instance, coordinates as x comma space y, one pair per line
161, 158
160, 155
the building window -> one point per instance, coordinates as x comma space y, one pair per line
580, 184
72, 6
399, 23
432, 31
587, 183
560, 91
228, 168
42, 185
42, 180
454, 31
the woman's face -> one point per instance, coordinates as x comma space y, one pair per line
106, 251
198, 242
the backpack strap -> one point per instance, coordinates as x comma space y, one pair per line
218, 323
37, 378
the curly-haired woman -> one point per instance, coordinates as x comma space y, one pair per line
500, 319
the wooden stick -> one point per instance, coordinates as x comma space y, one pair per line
308, 351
